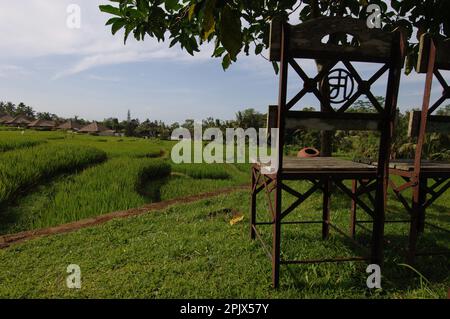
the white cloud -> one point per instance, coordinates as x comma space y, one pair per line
10, 70
37, 28
104, 78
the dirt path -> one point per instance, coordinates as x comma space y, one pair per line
7, 240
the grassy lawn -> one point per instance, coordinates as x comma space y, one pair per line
187, 250
192, 251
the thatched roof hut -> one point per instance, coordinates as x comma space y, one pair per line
107, 133
94, 127
69, 126
42, 124
20, 120
6, 118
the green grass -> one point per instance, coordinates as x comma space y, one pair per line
117, 147
111, 186
113, 146
192, 179
120, 183
130, 178
191, 251
8, 145
52, 186
202, 171
24, 168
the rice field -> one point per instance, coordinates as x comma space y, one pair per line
107, 187
67, 177
22, 169
18, 143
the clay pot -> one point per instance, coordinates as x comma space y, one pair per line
308, 152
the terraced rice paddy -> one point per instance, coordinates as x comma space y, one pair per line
68, 177
21, 169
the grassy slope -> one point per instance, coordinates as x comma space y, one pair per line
97, 190
111, 186
191, 251
6, 145
23, 168
77, 194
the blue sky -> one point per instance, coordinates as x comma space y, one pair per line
90, 73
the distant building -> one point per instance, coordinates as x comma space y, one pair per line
6, 118
94, 128
69, 126
42, 124
20, 120
107, 133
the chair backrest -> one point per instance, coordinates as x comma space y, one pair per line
332, 41
435, 124
442, 53
272, 116
434, 56
310, 40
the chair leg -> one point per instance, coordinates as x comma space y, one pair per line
422, 201
326, 208
414, 225
378, 223
353, 210
253, 206
276, 245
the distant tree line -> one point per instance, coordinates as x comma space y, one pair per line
356, 144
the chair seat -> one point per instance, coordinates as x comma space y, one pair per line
320, 165
407, 165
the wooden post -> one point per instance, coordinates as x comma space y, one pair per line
417, 212
414, 226
353, 210
253, 205
326, 208
284, 63
390, 111
422, 201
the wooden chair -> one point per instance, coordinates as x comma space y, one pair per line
417, 174
308, 41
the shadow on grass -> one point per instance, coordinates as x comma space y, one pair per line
151, 190
9, 215
427, 270
305, 242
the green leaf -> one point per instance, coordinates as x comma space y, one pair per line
119, 24
110, 9
191, 11
275, 66
112, 20
209, 23
226, 62
218, 52
128, 29
353, 5
173, 42
259, 48
171, 5
230, 31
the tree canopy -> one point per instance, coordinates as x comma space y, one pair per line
242, 26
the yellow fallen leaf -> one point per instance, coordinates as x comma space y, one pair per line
236, 220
